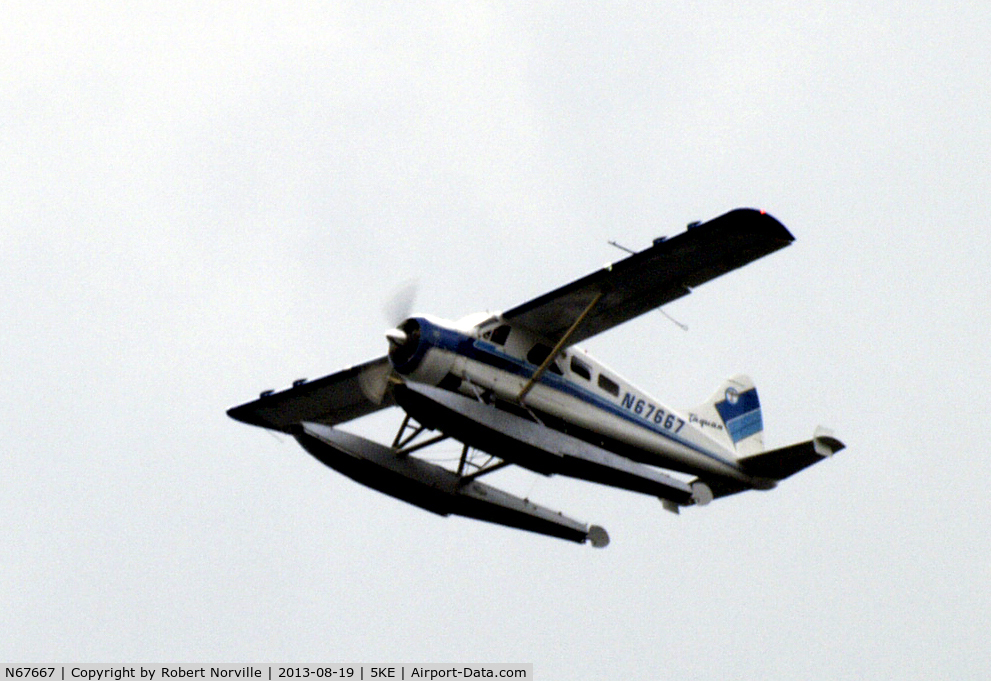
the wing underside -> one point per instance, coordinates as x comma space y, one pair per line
664, 272
330, 400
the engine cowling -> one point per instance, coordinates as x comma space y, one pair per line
415, 351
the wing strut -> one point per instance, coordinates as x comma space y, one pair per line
484, 469
464, 458
557, 348
465, 479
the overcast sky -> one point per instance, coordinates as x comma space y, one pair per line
199, 201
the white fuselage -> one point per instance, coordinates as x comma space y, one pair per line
493, 359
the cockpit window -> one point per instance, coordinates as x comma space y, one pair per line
581, 369
501, 334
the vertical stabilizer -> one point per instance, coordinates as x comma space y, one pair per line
732, 416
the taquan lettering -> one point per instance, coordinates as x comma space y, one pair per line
704, 423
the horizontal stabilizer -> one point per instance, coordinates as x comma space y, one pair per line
433, 487
768, 468
779, 464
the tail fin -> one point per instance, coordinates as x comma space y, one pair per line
732, 416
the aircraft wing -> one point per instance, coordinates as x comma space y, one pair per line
664, 272
333, 399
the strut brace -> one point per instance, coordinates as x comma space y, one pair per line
557, 348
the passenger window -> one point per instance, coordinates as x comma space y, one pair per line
580, 368
609, 385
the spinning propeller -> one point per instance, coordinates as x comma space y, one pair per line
401, 338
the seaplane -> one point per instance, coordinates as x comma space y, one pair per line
514, 388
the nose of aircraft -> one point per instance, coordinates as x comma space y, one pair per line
404, 340
396, 337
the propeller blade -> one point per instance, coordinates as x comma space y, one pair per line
400, 304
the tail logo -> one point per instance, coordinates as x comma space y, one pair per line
741, 413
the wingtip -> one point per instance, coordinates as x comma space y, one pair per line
239, 414
248, 414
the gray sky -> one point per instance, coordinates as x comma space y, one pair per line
199, 201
